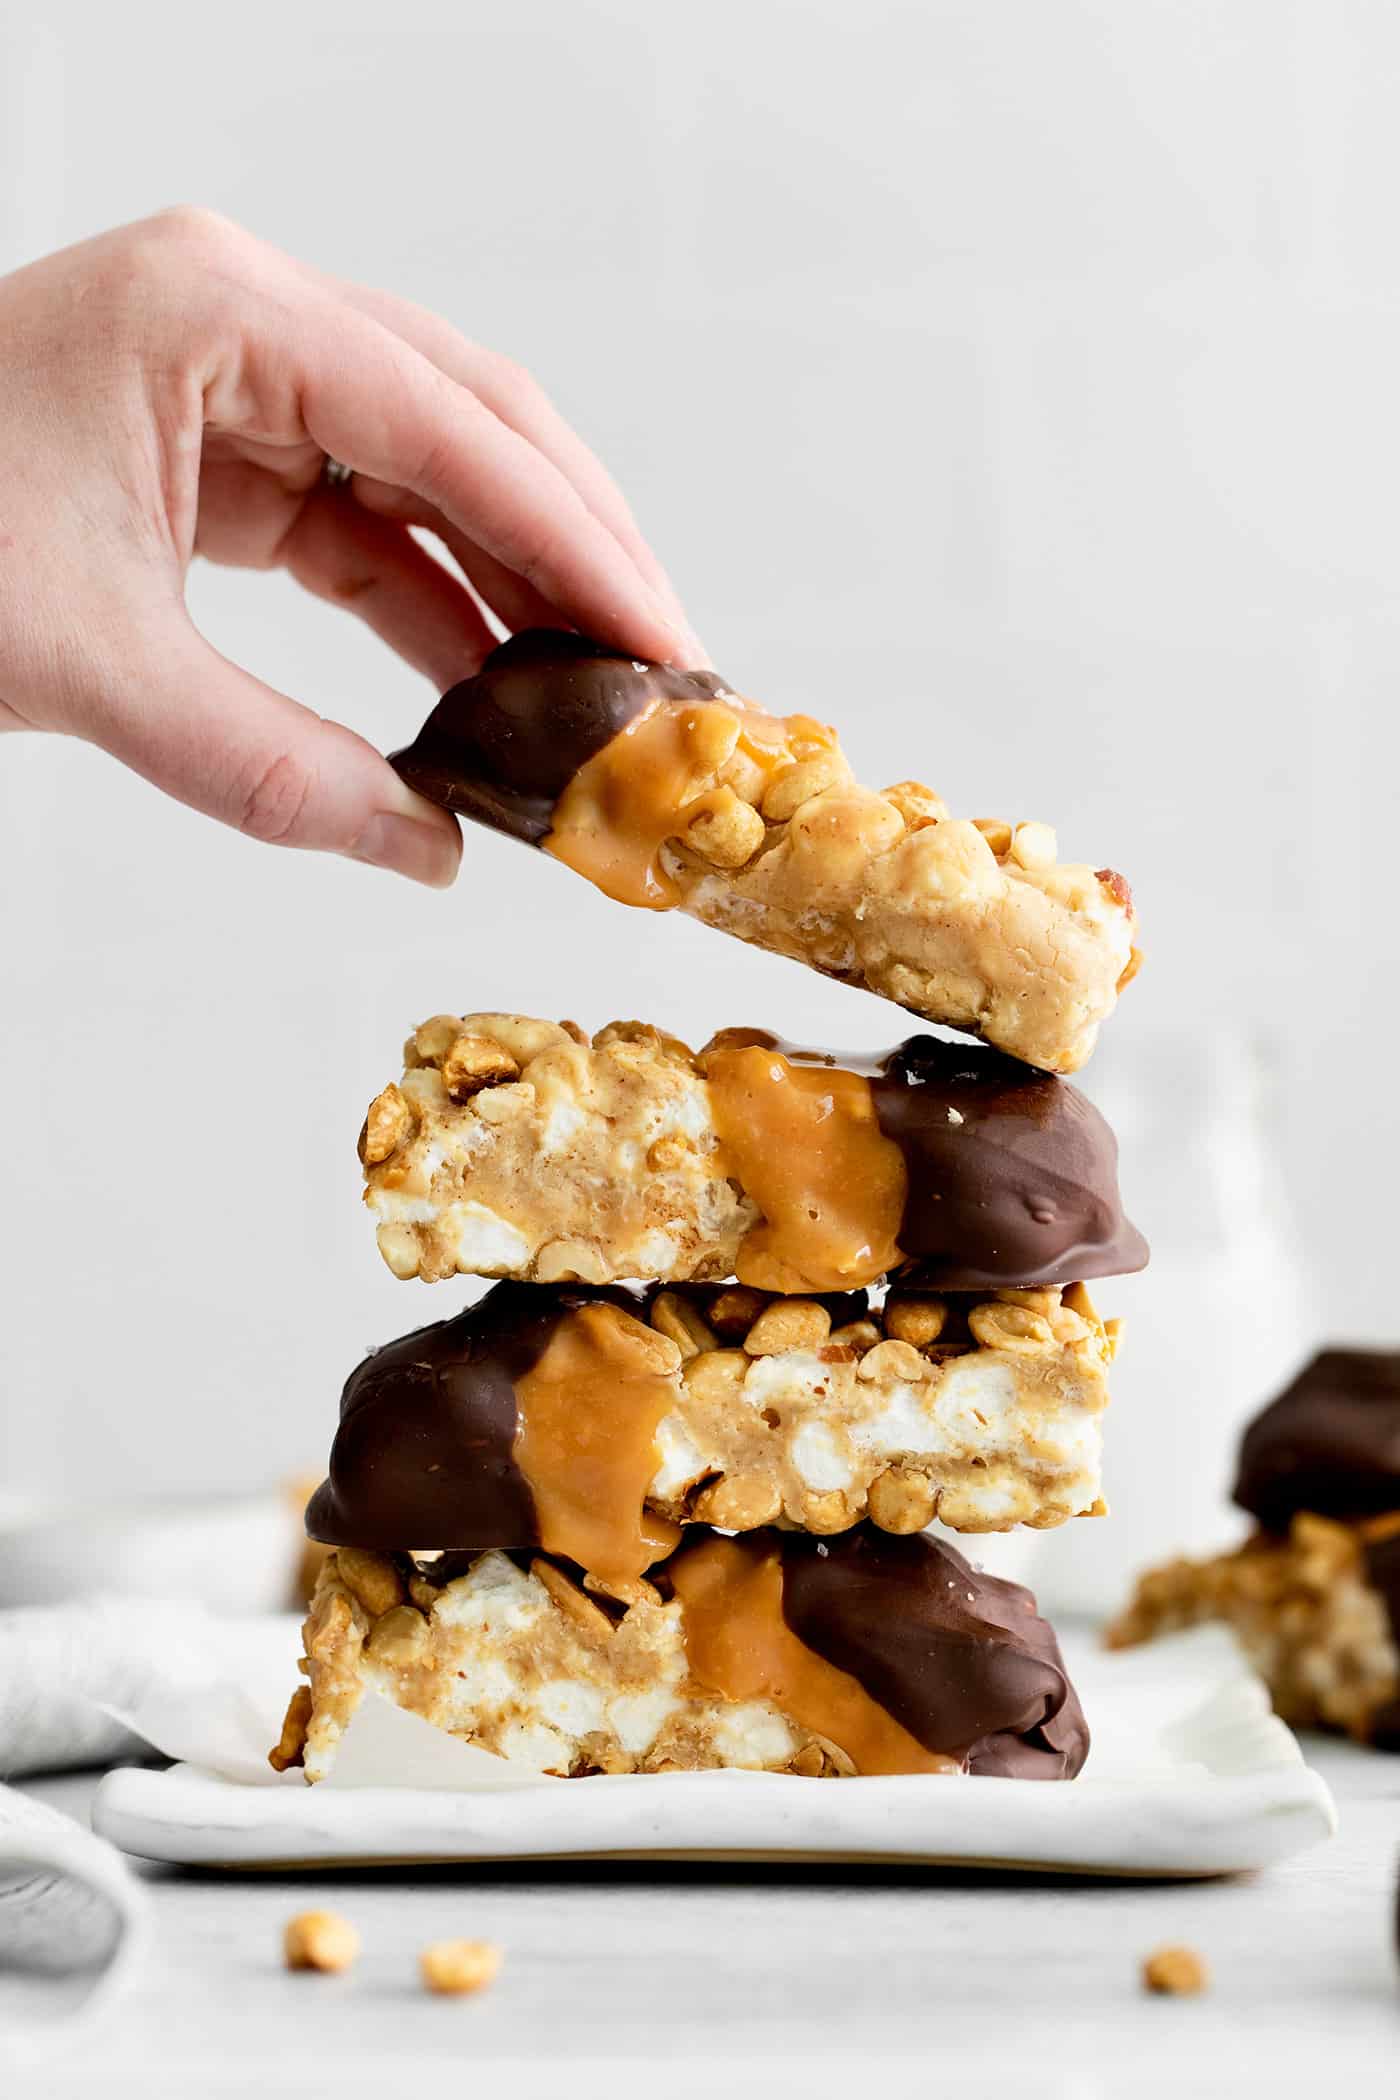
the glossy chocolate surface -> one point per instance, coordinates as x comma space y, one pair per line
1330, 1443
1013, 1174
959, 1658
502, 747
424, 1455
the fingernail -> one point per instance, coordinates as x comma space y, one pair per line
426, 853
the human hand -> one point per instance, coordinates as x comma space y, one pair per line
176, 387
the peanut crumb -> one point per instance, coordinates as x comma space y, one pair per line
319, 1939
456, 1968
287, 1751
1175, 1972
678, 1320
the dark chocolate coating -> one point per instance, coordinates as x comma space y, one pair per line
1330, 1443
502, 747
1013, 1174
959, 1658
424, 1455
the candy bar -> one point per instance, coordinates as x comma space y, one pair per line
518, 1147
1314, 1593
592, 1422
668, 790
774, 1652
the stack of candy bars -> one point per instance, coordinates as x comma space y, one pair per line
1314, 1592
659, 1500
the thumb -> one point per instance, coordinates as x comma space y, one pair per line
221, 741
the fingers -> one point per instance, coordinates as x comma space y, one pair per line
223, 742
513, 395
516, 603
373, 402
375, 569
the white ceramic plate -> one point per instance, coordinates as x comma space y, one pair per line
1190, 1775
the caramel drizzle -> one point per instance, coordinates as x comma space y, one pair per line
588, 1412
805, 1142
739, 1645
650, 780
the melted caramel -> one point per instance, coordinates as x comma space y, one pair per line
644, 786
589, 1409
738, 1644
805, 1143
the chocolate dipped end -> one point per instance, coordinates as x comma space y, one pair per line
424, 1455
502, 747
1330, 1443
959, 1658
1012, 1174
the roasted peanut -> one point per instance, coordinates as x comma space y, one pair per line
328, 1623
725, 830
569, 1261
399, 1249
292, 1741
319, 1939
894, 1360
796, 784
588, 1619
457, 1968
739, 1503
856, 1335
1013, 1327
1034, 846
503, 1102
901, 1501
371, 1579
734, 1311
917, 1321
387, 1125
431, 1040
474, 1062
716, 1373
997, 832
826, 1510
917, 804
1176, 1972
788, 1323
677, 1318
399, 1639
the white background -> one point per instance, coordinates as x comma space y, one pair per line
1014, 383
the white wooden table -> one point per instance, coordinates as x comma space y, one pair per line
679, 1980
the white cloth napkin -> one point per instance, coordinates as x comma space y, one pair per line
72, 1918
86, 1684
